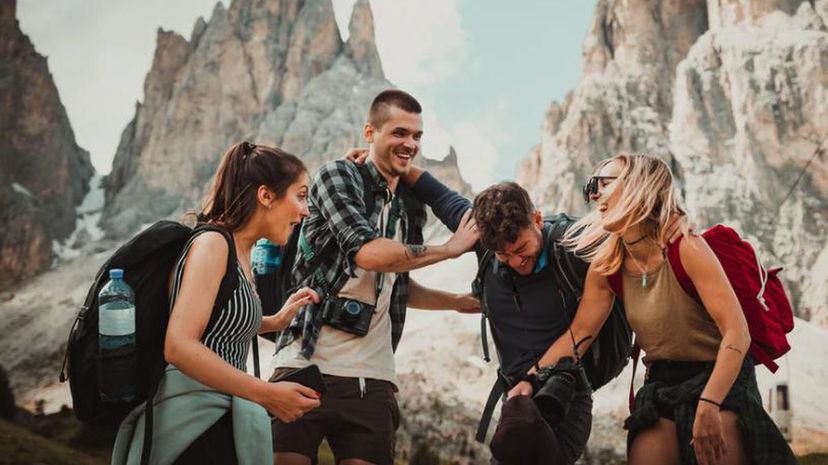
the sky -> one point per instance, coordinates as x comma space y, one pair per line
484, 70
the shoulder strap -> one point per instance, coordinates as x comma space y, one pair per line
674, 256
368, 192
499, 388
231, 278
616, 282
478, 290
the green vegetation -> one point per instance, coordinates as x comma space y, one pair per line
59, 439
813, 459
17, 446
6, 397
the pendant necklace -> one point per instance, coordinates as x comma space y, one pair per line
644, 279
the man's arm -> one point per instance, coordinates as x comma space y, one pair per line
425, 298
448, 206
335, 193
386, 255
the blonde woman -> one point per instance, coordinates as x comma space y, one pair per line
699, 403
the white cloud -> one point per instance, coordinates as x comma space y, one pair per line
475, 142
419, 62
420, 43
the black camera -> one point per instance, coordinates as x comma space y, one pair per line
558, 384
348, 315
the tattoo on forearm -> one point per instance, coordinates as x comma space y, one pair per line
734, 348
414, 251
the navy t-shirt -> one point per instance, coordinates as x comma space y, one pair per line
526, 313
522, 333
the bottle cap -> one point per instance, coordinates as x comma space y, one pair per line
116, 273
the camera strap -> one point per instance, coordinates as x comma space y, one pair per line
388, 231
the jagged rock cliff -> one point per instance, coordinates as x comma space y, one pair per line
43, 172
273, 72
733, 94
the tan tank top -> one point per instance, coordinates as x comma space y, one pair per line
668, 323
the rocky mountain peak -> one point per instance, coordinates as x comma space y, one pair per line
270, 71
45, 173
732, 93
727, 13
8, 9
361, 47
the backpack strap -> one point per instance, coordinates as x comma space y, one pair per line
231, 279
674, 256
616, 283
478, 291
499, 388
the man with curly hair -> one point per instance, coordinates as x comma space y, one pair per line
526, 313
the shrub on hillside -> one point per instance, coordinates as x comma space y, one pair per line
6, 397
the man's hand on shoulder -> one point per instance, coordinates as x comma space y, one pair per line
357, 155
675, 228
465, 237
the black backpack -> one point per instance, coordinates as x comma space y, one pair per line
611, 349
147, 260
275, 287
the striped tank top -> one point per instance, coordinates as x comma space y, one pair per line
229, 334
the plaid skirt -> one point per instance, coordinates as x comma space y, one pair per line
672, 391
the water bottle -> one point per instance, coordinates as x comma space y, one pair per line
116, 339
266, 257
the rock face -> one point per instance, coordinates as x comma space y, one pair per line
733, 95
274, 72
43, 172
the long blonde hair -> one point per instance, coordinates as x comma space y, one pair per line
646, 197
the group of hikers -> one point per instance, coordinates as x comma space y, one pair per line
362, 220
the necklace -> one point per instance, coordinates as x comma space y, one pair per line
635, 241
644, 280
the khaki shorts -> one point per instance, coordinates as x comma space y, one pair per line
356, 426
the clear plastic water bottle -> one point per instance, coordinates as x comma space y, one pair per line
116, 339
266, 258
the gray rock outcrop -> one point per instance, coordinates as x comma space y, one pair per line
43, 173
733, 95
274, 72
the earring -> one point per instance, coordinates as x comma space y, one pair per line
268, 206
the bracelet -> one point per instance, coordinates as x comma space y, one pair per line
702, 399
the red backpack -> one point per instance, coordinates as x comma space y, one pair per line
767, 309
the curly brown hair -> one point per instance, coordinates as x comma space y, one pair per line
501, 212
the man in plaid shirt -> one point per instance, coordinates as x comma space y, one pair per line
359, 256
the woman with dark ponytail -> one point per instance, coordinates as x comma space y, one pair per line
210, 410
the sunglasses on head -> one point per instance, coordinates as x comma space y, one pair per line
591, 186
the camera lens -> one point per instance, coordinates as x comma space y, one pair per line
554, 397
352, 310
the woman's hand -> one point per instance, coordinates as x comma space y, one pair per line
708, 441
357, 155
288, 401
297, 300
523, 388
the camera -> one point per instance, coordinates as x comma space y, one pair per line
558, 384
348, 315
